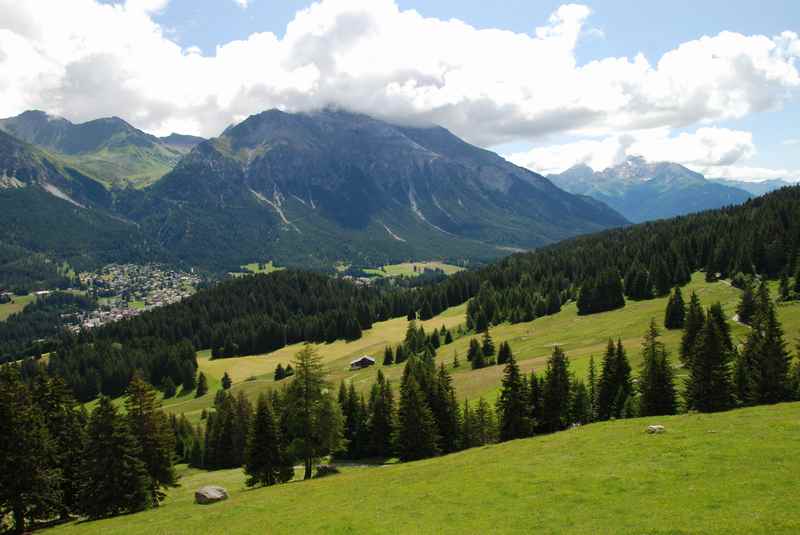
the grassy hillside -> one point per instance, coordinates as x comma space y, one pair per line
731, 473
580, 336
16, 305
412, 269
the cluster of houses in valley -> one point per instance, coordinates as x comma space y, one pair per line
126, 290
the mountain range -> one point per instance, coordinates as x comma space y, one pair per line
753, 188
307, 189
644, 191
109, 150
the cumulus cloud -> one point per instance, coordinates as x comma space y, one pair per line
242, 3
83, 59
705, 148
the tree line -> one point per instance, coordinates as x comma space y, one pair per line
57, 460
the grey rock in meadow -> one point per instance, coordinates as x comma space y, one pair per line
655, 429
210, 494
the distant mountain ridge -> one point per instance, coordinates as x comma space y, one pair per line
754, 188
644, 191
108, 149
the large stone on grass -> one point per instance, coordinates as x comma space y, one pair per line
210, 494
655, 429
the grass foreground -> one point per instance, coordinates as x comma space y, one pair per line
731, 473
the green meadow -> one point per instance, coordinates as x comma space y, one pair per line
532, 343
412, 269
726, 473
16, 305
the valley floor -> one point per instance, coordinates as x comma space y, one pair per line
731, 473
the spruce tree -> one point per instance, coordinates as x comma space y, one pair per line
417, 436
400, 354
762, 370
784, 289
580, 410
202, 385
511, 405
556, 393
388, 356
504, 353
695, 318
115, 480
485, 423
456, 362
381, 417
475, 355
709, 387
30, 483
675, 315
280, 373
592, 388
266, 459
468, 431
487, 345
226, 381
656, 381
169, 388
448, 338
151, 428
65, 421
746, 309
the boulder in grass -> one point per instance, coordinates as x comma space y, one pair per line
210, 494
655, 429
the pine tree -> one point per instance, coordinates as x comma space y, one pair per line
762, 370
592, 388
675, 315
709, 387
400, 354
797, 278
417, 436
381, 417
65, 421
151, 429
280, 373
315, 419
615, 383
169, 388
388, 356
784, 289
266, 459
511, 405
475, 355
30, 486
695, 318
504, 353
746, 309
445, 411
485, 424
468, 433
456, 362
202, 385
535, 403
448, 338
226, 381
656, 381
556, 392
580, 410
115, 479
487, 345
289, 370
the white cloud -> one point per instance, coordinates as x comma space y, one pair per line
706, 147
790, 142
242, 3
82, 59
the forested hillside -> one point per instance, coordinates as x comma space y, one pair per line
262, 313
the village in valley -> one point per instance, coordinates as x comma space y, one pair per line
127, 290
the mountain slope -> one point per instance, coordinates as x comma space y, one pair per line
312, 188
55, 210
643, 191
724, 473
108, 149
754, 188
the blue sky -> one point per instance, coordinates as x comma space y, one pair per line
555, 94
